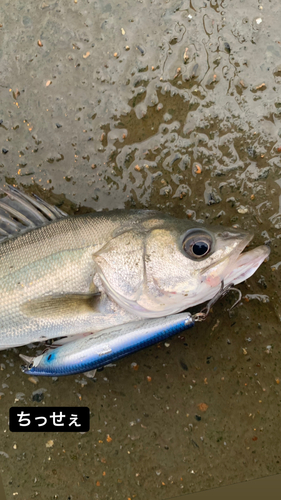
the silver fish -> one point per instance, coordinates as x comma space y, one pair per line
64, 276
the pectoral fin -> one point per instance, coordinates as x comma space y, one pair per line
62, 305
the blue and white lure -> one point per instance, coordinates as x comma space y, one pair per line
104, 347
97, 350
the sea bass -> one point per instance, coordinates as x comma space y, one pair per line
65, 276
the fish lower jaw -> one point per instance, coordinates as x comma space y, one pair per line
247, 264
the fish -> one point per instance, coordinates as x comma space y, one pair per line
72, 276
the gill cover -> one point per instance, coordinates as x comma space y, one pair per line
146, 270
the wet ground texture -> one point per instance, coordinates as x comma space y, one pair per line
173, 105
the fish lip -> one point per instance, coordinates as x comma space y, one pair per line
246, 238
252, 260
243, 244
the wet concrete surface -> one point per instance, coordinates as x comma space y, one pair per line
172, 105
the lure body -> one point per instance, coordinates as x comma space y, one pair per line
94, 351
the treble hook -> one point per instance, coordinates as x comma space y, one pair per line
233, 289
201, 316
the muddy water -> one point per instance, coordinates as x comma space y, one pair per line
173, 105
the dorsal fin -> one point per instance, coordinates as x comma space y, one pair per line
20, 212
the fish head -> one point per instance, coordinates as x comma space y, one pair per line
164, 265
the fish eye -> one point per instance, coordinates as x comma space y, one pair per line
197, 244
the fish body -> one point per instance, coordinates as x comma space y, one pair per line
46, 281
65, 276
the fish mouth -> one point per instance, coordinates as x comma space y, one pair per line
244, 237
236, 266
234, 269
246, 264
219, 269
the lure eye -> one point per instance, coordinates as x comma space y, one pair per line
197, 244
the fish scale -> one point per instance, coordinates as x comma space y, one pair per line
51, 260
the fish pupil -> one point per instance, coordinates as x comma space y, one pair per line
197, 243
200, 248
